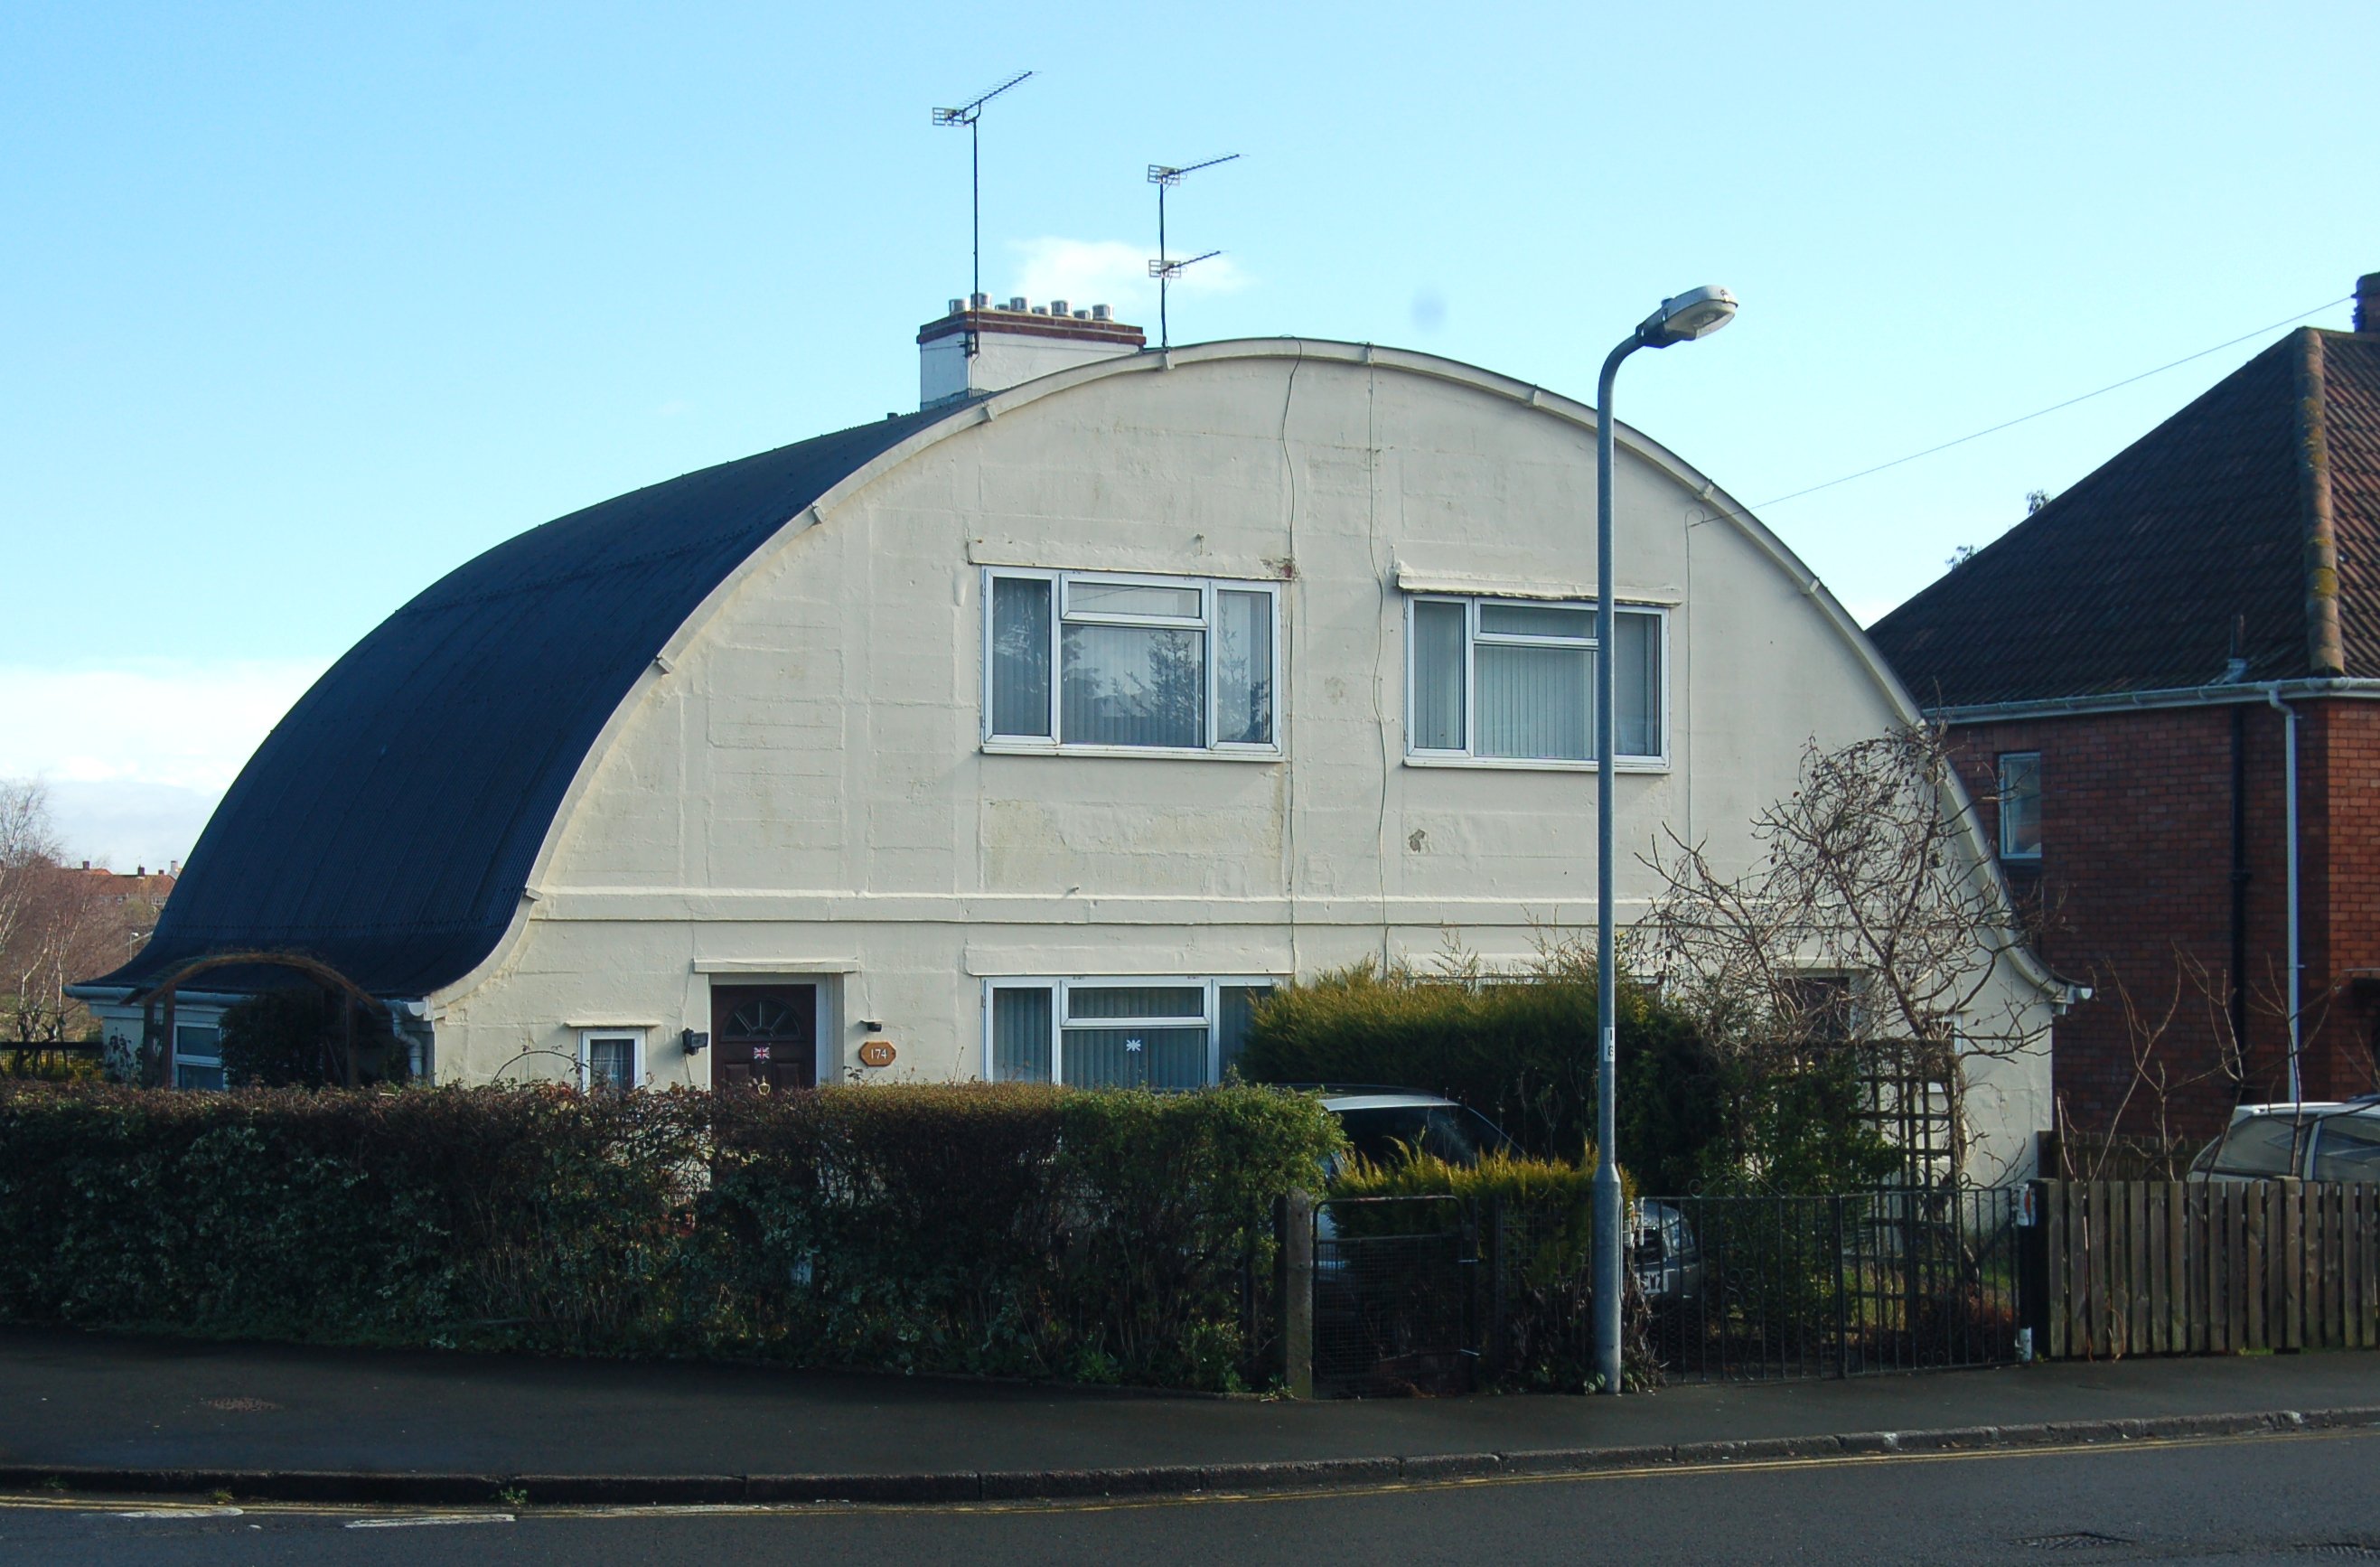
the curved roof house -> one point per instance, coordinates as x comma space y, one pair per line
389, 823
1033, 734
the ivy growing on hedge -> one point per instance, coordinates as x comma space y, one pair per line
1011, 1230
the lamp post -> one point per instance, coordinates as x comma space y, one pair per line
1697, 312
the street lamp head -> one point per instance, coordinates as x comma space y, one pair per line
1697, 312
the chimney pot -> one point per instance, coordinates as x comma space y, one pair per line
1016, 303
2367, 302
979, 302
1058, 308
957, 305
1099, 312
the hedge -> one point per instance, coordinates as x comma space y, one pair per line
1011, 1230
1520, 1054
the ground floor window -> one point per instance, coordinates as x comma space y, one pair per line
608, 1059
1136, 1033
198, 1056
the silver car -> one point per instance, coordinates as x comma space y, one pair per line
2333, 1141
1382, 1123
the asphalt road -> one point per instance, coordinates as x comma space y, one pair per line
2297, 1499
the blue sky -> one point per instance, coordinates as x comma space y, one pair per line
303, 305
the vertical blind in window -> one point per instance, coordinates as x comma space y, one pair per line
1441, 637
1020, 1034
1134, 685
1020, 656
1098, 1035
1515, 681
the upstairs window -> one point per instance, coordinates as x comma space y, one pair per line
2020, 806
1507, 680
1076, 660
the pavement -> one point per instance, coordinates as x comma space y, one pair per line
158, 1415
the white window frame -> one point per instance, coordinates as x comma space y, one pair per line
1061, 988
182, 1058
1055, 744
2000, 794
1421, 756
587, 1037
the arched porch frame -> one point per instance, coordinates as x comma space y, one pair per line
351, 996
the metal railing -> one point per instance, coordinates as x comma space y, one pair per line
1761, 1288
1445, 1294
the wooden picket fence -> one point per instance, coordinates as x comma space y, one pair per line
2209, 1268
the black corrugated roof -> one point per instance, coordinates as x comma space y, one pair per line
2134, 580
389, 823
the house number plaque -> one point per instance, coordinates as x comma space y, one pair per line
877, 1052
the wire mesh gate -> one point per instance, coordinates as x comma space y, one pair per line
1446, 1293
1396, 1286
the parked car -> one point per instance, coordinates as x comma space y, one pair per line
2331, 1141
1665, 1253
1381, 1122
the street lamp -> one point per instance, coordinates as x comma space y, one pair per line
1697, 312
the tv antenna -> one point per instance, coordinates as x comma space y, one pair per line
1165, 177
971, 115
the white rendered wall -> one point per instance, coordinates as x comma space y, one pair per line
805, 794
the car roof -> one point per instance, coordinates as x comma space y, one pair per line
2369, 1104
1383, 1099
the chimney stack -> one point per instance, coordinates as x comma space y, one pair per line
2367, 302
981, 348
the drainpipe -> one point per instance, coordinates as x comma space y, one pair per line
2289, 789
2238, 997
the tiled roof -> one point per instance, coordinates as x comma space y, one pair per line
2135, 579
389, 823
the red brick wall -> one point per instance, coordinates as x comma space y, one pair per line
2338, 762
2136, 875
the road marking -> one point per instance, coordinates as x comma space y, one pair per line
429, 1520
183, 1512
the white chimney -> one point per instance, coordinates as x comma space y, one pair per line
972, 351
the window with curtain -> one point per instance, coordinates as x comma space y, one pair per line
608, 1061
1119, 1032
1156, 663
1508, 680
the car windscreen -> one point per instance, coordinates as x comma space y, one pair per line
1382, 1133
2261, 1145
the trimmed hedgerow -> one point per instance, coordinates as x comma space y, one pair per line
1522, 1054
1009, 1230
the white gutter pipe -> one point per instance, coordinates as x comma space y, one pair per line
2289, 789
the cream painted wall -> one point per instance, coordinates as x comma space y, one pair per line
804, 792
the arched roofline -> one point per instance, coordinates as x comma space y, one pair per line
1723, 508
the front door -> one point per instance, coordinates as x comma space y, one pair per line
764, 1034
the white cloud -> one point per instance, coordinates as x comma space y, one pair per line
1109, 272
137, 754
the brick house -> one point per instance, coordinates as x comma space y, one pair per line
2164, 685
